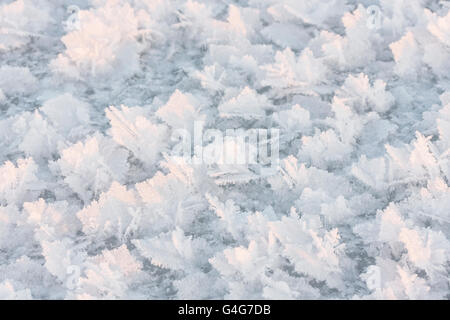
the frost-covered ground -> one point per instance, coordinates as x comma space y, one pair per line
95, 201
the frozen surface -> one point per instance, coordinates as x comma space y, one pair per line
94, 204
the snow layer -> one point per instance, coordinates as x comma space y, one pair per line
94, 204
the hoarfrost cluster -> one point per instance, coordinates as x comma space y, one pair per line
96, 204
